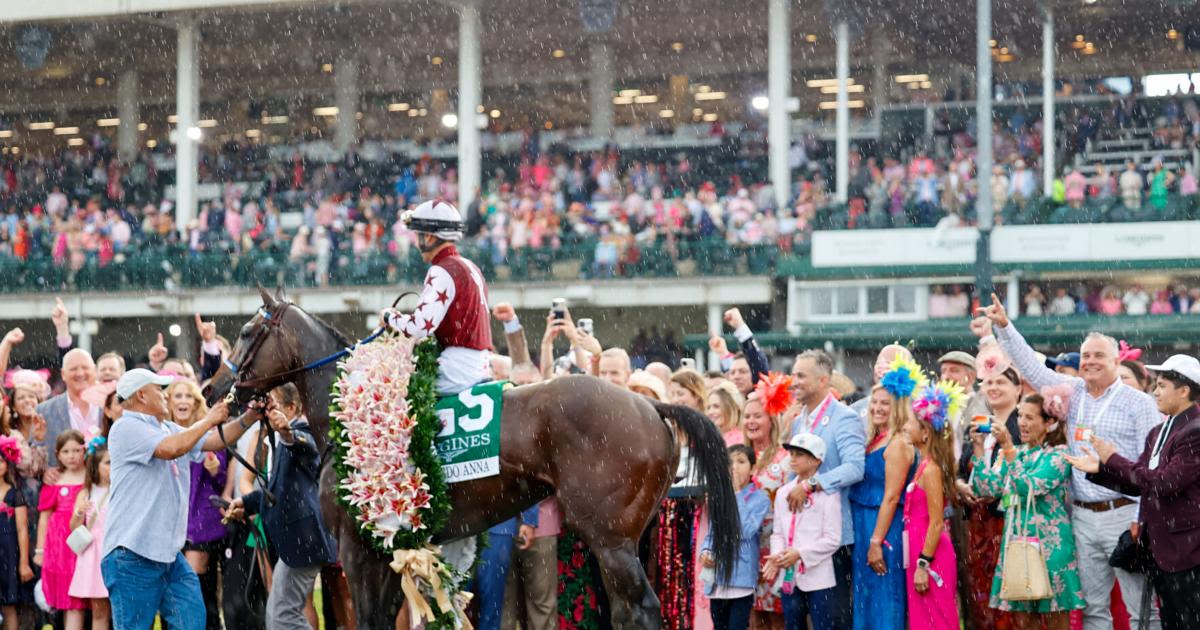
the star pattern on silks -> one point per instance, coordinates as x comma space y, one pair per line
436, 298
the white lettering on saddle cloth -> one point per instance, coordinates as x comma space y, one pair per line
469, 442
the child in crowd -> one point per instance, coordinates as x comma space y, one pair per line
803, 542
15, 586
732, 599
57, 504
91, 508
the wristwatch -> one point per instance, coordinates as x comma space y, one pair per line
923, 562
812, 483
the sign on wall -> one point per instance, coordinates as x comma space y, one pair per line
1010, 244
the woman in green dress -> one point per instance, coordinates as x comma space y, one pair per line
1160, 183
1039, 467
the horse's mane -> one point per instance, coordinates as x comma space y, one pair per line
337, 334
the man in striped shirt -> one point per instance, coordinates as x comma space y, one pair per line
1101, 405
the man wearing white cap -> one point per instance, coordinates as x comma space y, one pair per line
453, 304
143, 567
1167, 477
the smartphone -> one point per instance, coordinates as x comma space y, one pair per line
688, 362
218, 502
983, 424
586, 326
558, 308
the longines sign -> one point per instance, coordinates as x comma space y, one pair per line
1010, 244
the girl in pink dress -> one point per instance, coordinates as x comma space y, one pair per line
91, 508
57, 504
931, 568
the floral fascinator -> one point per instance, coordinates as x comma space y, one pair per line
903, 378
937, 403
775, 391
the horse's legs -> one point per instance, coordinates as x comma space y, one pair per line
632, 599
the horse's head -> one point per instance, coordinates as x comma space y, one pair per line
266, 348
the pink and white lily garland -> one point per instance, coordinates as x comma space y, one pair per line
371, 403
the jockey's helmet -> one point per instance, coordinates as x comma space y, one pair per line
436, 217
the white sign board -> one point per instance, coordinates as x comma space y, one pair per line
848, 248
1010, 244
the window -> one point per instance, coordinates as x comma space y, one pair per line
877, 300
820, 301
904, 299
847, 301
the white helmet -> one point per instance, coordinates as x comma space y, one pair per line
435, 217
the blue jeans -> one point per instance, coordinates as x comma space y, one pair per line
139, 588
492, 576
731, 614
821, 605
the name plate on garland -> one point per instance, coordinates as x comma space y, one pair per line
469, 442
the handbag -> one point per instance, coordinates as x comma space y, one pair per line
81, 537
1024, 576
1132, 556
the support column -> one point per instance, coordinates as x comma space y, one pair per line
1012, 298
716, 323
600, 87
779, 88
187, 133
127, 111
880, 80
1048, 101
346, 98
469, 68
842, 35
983, 161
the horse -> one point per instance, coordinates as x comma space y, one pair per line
607, 455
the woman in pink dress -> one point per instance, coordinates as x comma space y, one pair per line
57, 504
932, 572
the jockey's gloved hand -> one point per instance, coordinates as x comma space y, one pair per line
385, 316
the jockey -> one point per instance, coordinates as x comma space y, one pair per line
453, 305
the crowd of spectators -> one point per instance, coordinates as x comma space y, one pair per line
85, 206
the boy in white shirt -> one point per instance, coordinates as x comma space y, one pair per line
803, 542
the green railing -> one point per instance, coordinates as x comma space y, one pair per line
171, 268
1035, 212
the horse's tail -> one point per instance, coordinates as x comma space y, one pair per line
706, 447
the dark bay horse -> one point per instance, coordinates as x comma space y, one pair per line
608, 455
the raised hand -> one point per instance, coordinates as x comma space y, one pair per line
716, 343
1087, 462
207, 330
504, 312
733, 317
61, 318
995, 312
158, 353
13, 337
981, 326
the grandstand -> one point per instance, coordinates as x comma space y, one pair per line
817, 162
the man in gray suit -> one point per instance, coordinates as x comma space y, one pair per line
69, 410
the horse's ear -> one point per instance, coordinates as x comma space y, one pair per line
268, 301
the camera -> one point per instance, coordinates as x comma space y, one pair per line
687, 362
558, 308
586, 326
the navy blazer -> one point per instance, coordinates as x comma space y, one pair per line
294, 524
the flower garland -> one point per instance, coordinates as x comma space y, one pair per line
382, 427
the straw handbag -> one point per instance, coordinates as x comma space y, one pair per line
1024, 576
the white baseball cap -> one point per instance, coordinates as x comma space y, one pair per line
1184, 365
807, 442
137, 378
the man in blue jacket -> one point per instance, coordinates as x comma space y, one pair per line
822, 415
293, 523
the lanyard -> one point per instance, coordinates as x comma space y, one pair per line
1161, 441
815, 417
789, 574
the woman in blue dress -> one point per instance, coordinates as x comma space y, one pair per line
878, 567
